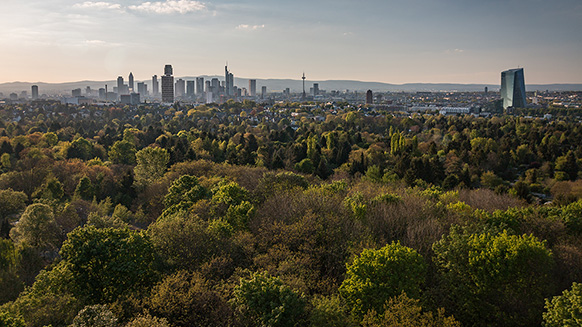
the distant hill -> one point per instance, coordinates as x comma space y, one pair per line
293, 85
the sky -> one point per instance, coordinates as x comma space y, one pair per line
392, 41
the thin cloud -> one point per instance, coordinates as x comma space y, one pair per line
97, 5
453, 51
170, 7
246, 27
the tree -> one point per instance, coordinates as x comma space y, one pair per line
377, 275
122, 152
402, 311
11, 202
84, 189
97, 315
148, 321
151, 165
106, 263
186, 299
37, 227
491, 276
568, 165
11, 320
266, 301
565, 309
185, 190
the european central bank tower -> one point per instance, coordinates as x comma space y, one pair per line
513, 88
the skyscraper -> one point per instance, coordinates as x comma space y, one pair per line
142, 88
369, 97
215, 85
315, 89
227, 90
513, 88
263, 92
131, 89
168, 85
155, 86
199, 86
180, 90
34, 92
120, 85
190, 86
253, 87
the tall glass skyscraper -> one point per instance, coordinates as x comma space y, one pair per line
168, 85
513, 88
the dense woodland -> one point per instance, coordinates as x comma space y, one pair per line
290, 215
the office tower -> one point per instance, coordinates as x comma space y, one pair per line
76, 92
180, 88
486, 90
227, 90
253, 87
230, 84
34, 92
208, 87
263, 92
168, 85
13, 96
315, 89
120, 85
131, 82
155, 86
102, 93
190, 86
369, 97
303, 78
142, 88
215, 87
88, 91
513, 88
199, 86
24, 94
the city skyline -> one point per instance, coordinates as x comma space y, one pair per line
422, 41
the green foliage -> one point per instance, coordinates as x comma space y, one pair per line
493, 276
184, 192
186, 299
148, 321
266, 301
122, 152
97, 315
151, 165
357, 205
85, 189
238, 216
377, 275
572, 216
305, 166
402, 311
565, 309
229, 193
107, 263
329, 312
11, 320
387, 198
37, 227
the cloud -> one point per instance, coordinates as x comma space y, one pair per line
99, 43
170, 7
452, 51
97, 5
246, 27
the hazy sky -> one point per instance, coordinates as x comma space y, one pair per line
394, 41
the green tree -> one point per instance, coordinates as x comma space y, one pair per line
151, 165
122, 152
187, 299
148, 321
37, 227
493, 277
377, 275
106, 263
569, 165
84, 189
10, 320
98, 315
565, 309
11, 203
402, 311
266, 301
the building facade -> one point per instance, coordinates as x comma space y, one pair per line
168, 85
513, 88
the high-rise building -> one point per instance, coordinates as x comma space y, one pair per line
76, 92
369, 97
190, 87
315, 89
142, 88
102, 93
227, 90
155, 86
168, 85
131, 89
513, 88
253, 87
208, 87
180, 90
215, 87
199, 86
120, 85
263, 92
34, 90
